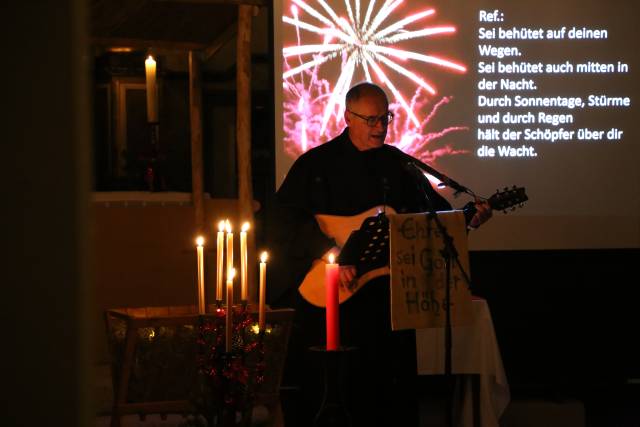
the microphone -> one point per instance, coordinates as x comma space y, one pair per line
414, 171
416, 165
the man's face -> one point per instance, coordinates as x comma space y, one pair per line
363, 136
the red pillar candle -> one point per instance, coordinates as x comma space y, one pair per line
332, 276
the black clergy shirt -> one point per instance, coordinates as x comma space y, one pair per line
337, 179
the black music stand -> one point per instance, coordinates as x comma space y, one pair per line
368, 247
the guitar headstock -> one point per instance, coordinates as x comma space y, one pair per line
508, 198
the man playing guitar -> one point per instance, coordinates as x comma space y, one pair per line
346, 176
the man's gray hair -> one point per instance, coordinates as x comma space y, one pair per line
364, 89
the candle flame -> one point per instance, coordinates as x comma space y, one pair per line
150, 60
200, 241
227, 226
221, 226
231, 274
263, 257
332, 258
245, 227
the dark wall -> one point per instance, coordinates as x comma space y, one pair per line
45, 186
564, 319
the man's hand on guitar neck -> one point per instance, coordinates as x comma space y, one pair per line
347, 277
482, 215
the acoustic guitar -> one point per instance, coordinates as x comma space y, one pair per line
340, 228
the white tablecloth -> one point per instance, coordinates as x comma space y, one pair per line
475, 351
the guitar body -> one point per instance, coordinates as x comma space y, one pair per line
338, 228
312, 288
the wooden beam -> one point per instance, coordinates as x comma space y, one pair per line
221, 40
263, 3
243, 128
158, 45
195, 113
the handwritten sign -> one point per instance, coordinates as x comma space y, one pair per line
418, 271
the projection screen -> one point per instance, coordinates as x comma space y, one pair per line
493, 94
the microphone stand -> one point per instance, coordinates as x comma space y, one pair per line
448, 253
446, 181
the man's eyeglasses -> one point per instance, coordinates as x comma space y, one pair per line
385, 119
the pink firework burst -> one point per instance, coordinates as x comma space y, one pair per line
361, 42
418, 141
302, 114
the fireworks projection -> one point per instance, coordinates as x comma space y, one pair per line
477, 91
358, 41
